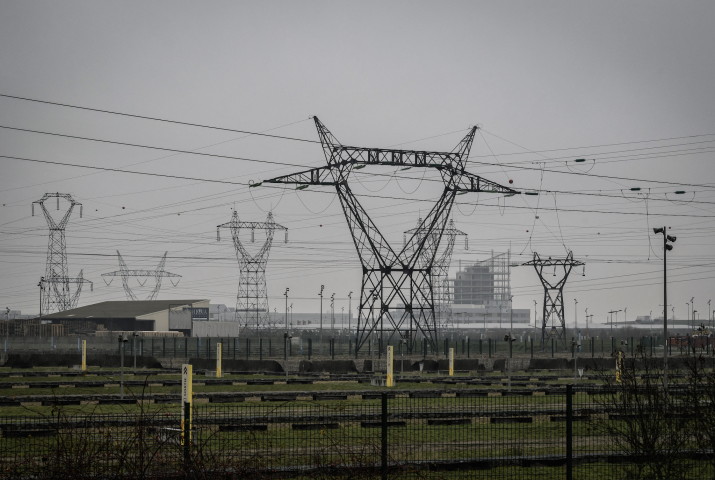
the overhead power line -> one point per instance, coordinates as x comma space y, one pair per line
319, 191
189, 152
113, 142
122, 171
156, 119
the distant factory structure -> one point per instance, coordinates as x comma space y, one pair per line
481, 293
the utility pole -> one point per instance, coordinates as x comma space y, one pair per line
687, 315
612, 312
322, 287
666, 248
350, 310
7, 324
286, 295
693, 322
332, 314
587, 321
42, 287
535, 319
692, 308
625, 317
511, 335
134, 347
575, 312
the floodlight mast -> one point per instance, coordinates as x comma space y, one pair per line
554, 293
390, 276
252, 310
666, 248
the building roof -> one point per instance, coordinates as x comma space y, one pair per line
122, 309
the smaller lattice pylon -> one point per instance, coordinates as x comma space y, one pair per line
554, 294
444, 319
126, 273
55, 285
252, 310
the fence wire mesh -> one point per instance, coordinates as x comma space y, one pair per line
582, 433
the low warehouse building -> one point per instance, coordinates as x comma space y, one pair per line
141, 315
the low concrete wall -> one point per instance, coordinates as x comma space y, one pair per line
237, 365
29, 360
548, 364
328, 366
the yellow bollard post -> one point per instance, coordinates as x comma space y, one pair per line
218, 361
451, 362
390, 381
186, 397
84, 355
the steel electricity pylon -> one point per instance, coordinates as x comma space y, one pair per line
440, 276
157, 274
554, 293
390, 277
57, 296
252, 300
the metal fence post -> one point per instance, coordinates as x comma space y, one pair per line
187, 434
569, 432
532, 348
384, 437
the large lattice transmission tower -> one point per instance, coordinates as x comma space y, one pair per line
390, 276
554, 294
126, 274
252, 301
443, 298
56, 293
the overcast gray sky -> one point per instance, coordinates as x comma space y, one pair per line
626, 85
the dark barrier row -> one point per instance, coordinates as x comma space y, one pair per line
29, 360
569, 435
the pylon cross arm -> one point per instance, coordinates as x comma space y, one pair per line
341, 155
468, 182
140, 273
314, 176
253, 225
